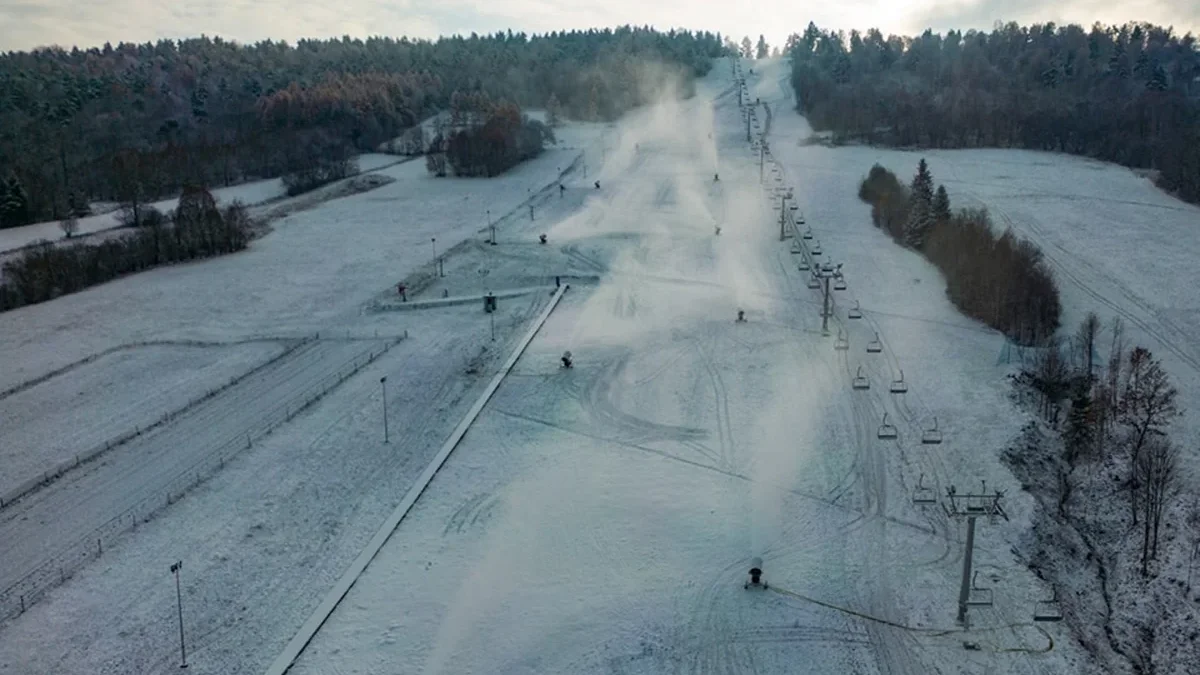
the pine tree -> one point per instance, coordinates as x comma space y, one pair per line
941, 205
761, 50
920, 213
1078, 435
14, 203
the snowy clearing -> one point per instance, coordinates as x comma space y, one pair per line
113, 395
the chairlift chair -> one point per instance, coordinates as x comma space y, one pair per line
978, 596
932, 436
860, 381
922, 495
887, 431
804, 267
814, 282
816, 249
800, 221
899, 386
807, 233
855, 311
874, 346
1048, 610
839, 284
827, 267
842, 343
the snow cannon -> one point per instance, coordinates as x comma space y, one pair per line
741, 316
542, 238
597, 185
755, 575
566, 359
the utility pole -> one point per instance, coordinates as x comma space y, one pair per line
762, 155
971, 507
492, 226
175, 567
383, 385
747, 128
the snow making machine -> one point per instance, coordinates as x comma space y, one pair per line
756, 579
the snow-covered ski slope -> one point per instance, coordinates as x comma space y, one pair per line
602, 519
1117, 244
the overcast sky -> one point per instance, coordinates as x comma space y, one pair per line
31, 23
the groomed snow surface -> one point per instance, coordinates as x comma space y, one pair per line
597, 519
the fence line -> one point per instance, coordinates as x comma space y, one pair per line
49, 476
31, 588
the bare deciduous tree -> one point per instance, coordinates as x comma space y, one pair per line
69, 225
1156, 470
1050, 378
1146, 408
1085, 338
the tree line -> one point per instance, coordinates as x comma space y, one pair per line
136, 122
1128, 94
196, 229
999, 280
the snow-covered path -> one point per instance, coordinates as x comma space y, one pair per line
602, 519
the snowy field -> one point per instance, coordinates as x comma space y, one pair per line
113, 395
266, 536
599, 519
251, 193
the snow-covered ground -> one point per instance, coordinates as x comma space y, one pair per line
245, 535
103, 399
602, 519
250, 193
599, 519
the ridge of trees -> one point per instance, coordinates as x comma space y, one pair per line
196, 229
136, 122
1128, 94
999, 280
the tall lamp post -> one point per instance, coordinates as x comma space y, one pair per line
175, 567
383, 385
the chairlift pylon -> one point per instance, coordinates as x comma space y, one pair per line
841, 343
932, 436
886, 431
860, 381
874, 346
899, 386
1048, 610
922, 495
855, 311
